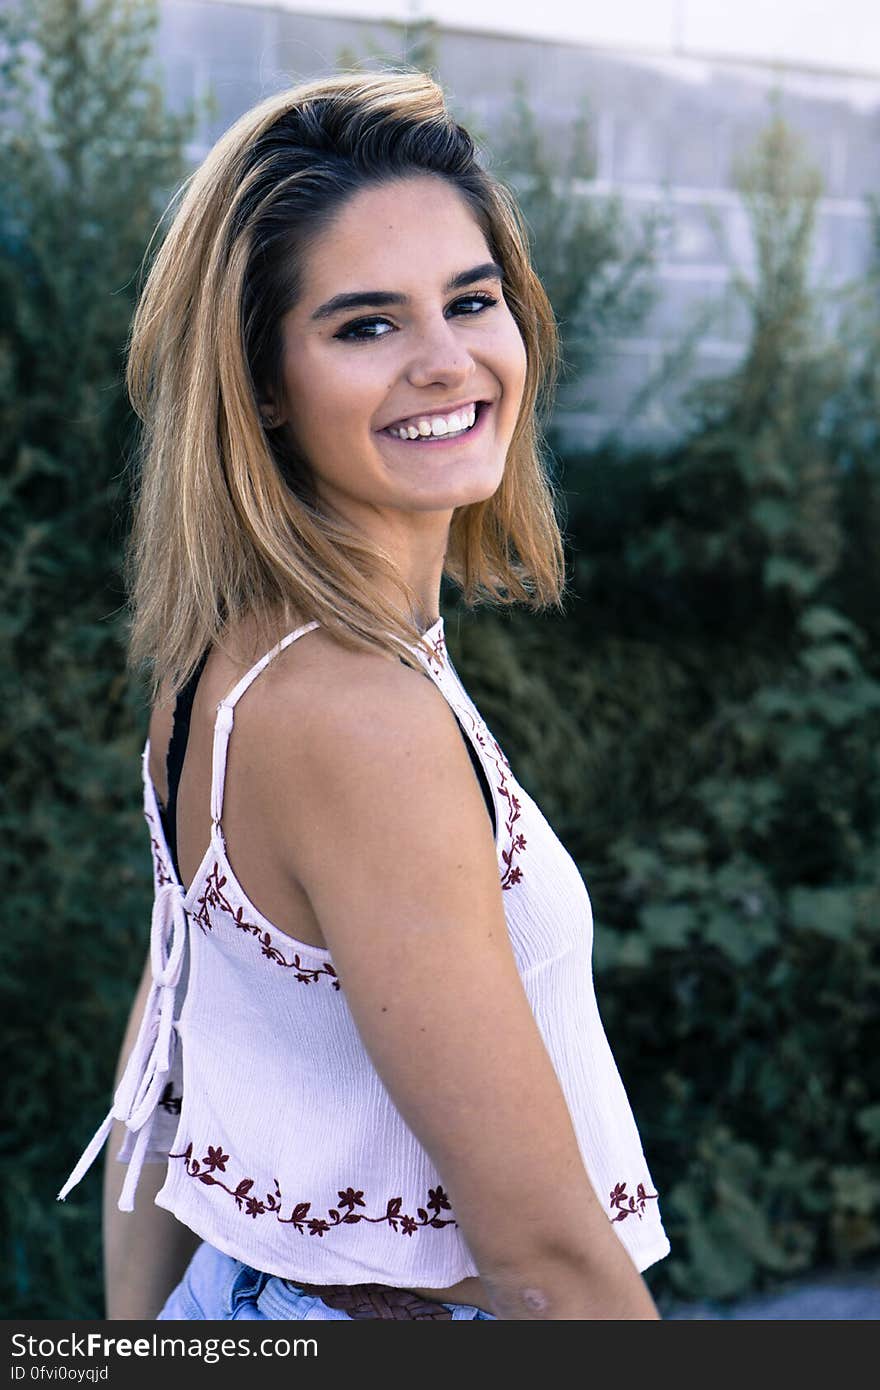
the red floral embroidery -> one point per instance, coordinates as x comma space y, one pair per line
215, 1161
162, 874
214, 897
516, 843
628, 1204
438, 648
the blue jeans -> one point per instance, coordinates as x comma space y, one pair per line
216, 1286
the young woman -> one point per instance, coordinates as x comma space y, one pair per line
365, 1066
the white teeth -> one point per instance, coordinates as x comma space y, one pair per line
438, 425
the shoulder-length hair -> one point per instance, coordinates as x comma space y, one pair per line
226, 522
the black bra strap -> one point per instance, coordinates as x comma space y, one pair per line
176, 753
481, 777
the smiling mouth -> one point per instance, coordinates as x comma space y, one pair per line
481, 410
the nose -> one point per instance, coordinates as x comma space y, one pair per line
439, 356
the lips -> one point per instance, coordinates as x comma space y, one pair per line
440, 441
432, 414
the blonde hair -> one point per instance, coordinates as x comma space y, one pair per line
226, 522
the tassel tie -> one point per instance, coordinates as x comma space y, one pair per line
149, 1063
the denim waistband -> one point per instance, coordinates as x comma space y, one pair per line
218, 1286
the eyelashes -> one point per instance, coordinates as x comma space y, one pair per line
351, 331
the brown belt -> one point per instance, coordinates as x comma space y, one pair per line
374, 1300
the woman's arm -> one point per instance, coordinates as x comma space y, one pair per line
146, 1250
384, 826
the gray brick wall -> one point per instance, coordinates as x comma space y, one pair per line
665, 129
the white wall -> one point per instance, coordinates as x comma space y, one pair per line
841, 35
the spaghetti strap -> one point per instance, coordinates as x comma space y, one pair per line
223, 722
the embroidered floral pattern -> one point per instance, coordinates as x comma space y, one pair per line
214, 897
162, 874
438, 647
215, 1161
516, 843
627, 1204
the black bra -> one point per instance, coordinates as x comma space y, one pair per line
177, 751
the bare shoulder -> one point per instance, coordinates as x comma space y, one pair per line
323, 719
320, 687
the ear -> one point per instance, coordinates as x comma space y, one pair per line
270, 417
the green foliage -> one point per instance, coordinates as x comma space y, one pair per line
853, 429
86, 163
746, 505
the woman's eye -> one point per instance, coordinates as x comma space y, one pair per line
353, 332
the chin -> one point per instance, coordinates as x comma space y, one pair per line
454, 498
479, 486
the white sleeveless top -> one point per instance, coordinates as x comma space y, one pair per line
250, 1080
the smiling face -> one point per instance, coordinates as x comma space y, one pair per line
448, 340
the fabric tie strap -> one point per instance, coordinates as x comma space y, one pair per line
146, 1072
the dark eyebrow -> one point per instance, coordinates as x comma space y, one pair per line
362, 299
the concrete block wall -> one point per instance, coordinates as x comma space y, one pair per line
664, 130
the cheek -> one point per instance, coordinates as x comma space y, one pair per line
523, 361
515, 363
324, 403
345, 397
510, 343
